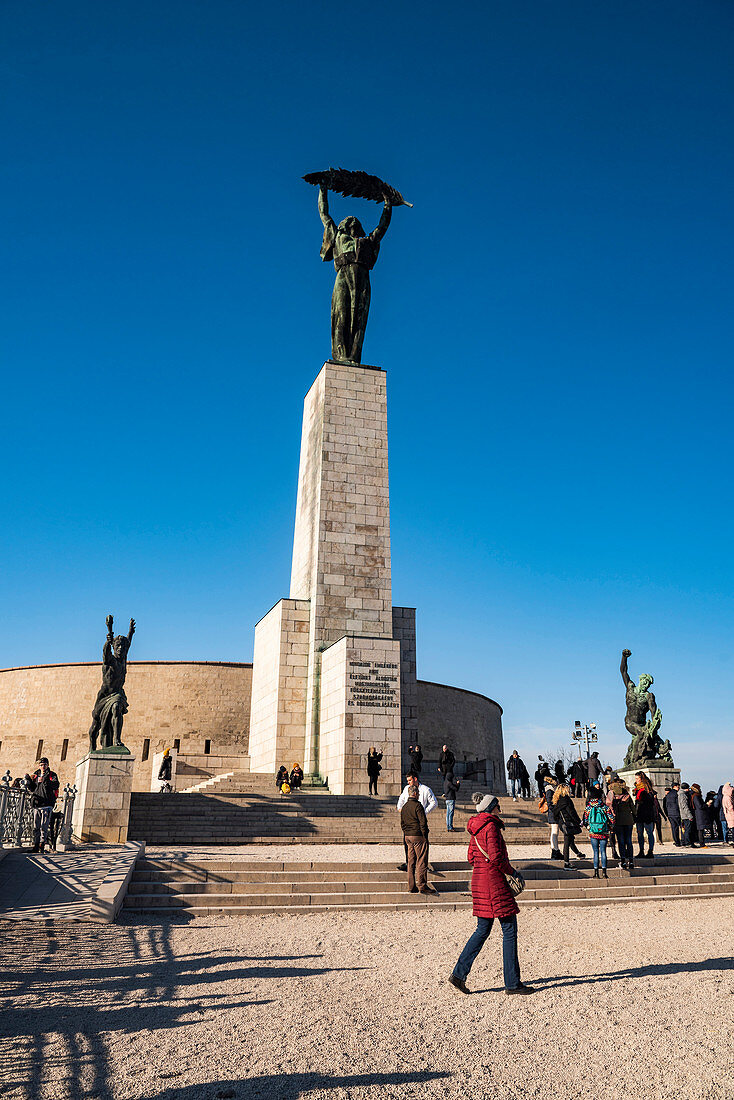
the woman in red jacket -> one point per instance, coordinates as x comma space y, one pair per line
492, 897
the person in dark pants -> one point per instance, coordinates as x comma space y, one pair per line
515, 768
569, 821
492, 898
701, 814
450, 791
672, 812
623, 809
559, 771
524, 782
44, 788
446, 761
281, 777
415, 831
579, 776
374, 768
541, 772
416, 758
686, 814
644, 815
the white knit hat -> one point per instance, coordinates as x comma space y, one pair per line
489, 803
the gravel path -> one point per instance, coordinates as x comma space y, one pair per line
364, 853
356, 1007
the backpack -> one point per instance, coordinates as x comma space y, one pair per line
597, 820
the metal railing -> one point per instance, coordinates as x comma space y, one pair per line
17, 819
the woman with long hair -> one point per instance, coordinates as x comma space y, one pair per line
645, 799
568, 819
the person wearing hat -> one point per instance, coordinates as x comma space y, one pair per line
44, 788
492, 898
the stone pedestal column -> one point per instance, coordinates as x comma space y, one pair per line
341, 547
659, 775
104, 782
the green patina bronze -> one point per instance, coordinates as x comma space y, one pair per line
646, 747
354, 254
111, 703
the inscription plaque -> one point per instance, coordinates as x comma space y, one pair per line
374, 685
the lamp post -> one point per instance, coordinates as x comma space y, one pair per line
584, 735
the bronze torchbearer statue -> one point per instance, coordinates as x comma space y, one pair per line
111, 704
647, 746
354, 254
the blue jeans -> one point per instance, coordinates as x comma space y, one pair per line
624, 842
649, 828
450, 804
687, 830
475, 943
514, 786
599, 847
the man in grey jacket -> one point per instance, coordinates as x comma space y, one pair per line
686, 813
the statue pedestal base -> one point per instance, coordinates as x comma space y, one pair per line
104, 782
660, 775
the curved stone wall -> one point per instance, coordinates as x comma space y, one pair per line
189, 701
469, 723
194, 702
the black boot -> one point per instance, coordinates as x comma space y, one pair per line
604, 873
641, 853
596, 872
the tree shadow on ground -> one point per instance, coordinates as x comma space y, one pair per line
65, 989
296, 1085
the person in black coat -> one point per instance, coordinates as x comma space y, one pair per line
549, 790
281, 777
524, 781
374, 767
515, 768
446, 761
672, 812
568, 819
559, 771
579, 776
541, 772
701, 813
416, 758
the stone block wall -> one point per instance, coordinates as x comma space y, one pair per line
469, 723
360, 707
189, 701
280, 668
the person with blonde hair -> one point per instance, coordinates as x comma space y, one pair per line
645, 800
569, 821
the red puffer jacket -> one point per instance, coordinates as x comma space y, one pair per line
490, 892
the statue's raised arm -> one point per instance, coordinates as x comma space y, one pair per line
381, 228
626, 653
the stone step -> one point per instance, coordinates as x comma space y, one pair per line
235, 903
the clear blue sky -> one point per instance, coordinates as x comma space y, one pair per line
555, 316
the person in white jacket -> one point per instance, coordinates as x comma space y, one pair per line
427, 799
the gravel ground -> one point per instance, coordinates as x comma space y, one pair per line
632, 1000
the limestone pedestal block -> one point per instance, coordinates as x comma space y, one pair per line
104, 782
279, 676
660, 777
341, 546
360, 707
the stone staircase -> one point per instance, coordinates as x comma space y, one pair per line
246, 809
164, 887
